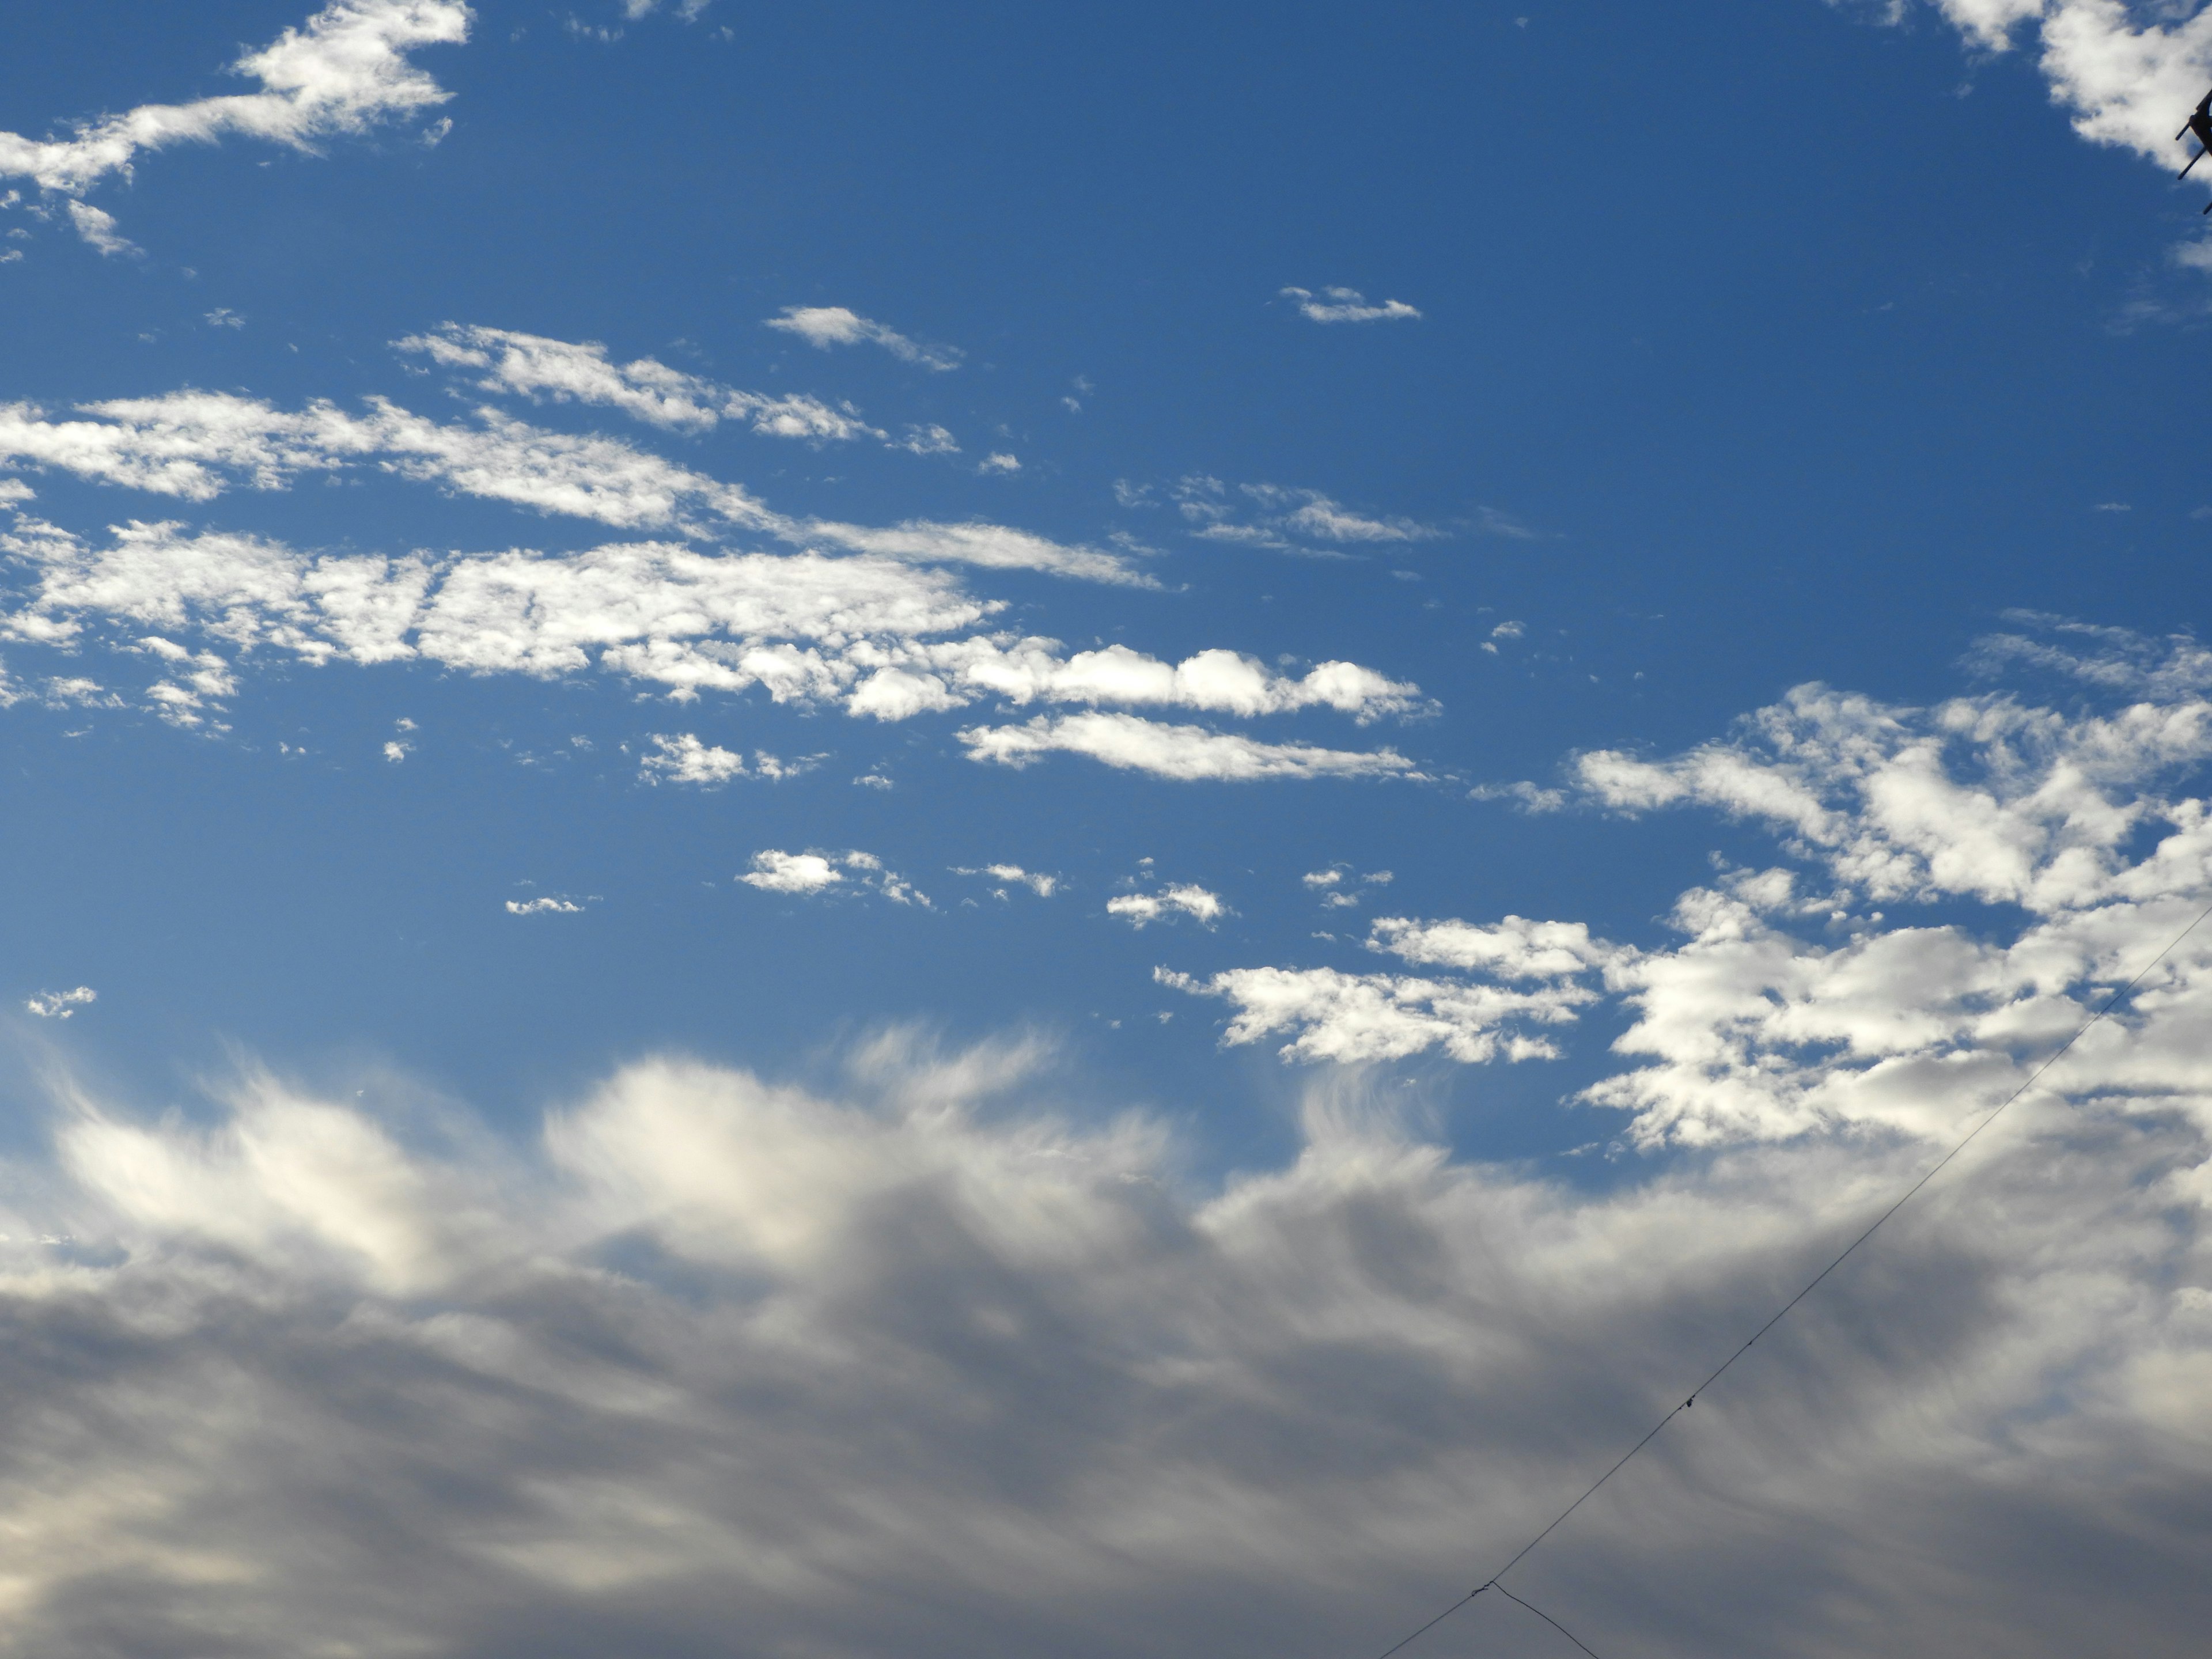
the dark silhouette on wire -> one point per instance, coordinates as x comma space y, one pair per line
2200, 126
2204, 116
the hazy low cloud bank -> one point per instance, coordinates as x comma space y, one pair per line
722, 1366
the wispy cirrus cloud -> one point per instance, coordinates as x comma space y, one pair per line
543, 369
823, 326
197, 445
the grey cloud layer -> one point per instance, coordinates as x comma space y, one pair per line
882, 1372
1792, 1002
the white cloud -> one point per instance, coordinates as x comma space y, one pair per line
1011, 875
396, 751
1271, 515
1790, 1003
546, 906
560, 371
224, 317
879, 638
928, 440
340, 72
1182, 899
1183, 752
775, 872
196, 446
1346, 305
98, 229
684, 758
999, 464
823, 326
62, 1004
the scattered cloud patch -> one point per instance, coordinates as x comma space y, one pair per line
807, 873
1346, 305
999, 462
1277, 517
62, 1004
823, 326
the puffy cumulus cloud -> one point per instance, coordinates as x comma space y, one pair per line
880, 637
684, 758
1788, 1002
62, 1004
914, 1366
2128, 73
544, 905
1346, 305
803, 873
1185, 753
196, 446
823, 326
342, 72
562, 371
1181, 899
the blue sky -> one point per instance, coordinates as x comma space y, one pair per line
1267, 754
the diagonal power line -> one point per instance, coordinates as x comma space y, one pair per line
1811, 1285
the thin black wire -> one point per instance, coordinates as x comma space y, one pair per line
1546, 1617
2034, 1077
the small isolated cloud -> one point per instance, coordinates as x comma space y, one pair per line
61, 1004
777, 871
928, 440
1011, 876
1186, 753
395, 750
224, 317
1528, 797
999, 463
548, 906
1184, 899
1340, 888
1278, 516
684, 758
1346, 305
98, 229
823, 326
874, 780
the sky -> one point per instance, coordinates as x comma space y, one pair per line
980, 830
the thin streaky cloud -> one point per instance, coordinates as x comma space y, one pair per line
823, 326
1346, 305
